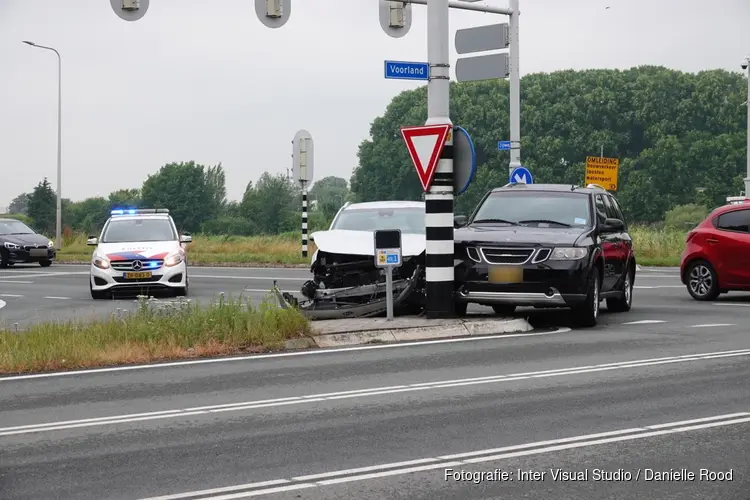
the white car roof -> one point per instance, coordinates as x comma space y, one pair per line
369, 205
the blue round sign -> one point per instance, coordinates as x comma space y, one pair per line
464, 160
521, 175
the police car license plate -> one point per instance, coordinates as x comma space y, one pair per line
137, 276
505, 274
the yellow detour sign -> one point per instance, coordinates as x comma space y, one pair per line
602, 171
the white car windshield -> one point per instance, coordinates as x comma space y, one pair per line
14, 227
408, 220
552, 209
133, 230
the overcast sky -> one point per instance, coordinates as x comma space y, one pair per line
204, 80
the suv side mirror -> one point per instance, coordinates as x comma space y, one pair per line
460, 220
186, 238
613, 225
92, 241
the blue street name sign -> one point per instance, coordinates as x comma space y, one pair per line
521, 174
405, 70
503, 145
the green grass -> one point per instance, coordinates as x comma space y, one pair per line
153, 332
654, 247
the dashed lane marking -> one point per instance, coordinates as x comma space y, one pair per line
644, 322
58, 298
16, 282
712, 325
2, 304
10, 295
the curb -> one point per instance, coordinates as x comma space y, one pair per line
447, 329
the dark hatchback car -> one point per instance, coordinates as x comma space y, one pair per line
19, 244
545, 245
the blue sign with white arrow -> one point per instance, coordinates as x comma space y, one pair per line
521, 175
503, 145
405, 70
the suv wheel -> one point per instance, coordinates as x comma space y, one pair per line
505, 310
587, 313
701, 281
624, 303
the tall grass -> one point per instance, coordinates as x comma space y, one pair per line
154, 331
654, 247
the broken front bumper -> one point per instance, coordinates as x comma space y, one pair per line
333, 304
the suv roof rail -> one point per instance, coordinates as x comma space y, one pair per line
595, 186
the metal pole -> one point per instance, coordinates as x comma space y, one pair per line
304, 220
601, 152
747, 176
389, 292
515, 89
58, 223
439, 275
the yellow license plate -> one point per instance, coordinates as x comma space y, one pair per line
509, 274
137, 276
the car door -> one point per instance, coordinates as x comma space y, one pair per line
731, 246
620, 260
609, 246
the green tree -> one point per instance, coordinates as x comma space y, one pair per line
672, 131
181, 188
19, 205
270, 204
42, 207
329, 193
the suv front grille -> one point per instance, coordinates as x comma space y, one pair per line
146, 264
506, 255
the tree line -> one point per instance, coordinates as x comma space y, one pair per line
680, 139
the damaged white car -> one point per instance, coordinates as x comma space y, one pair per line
345, 281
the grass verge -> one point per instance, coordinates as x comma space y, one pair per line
155, 331
654, 247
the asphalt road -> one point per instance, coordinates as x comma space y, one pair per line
60, 293
419, 421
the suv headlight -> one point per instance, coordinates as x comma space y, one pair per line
173, 259
568, 253
101, 262
12, 246
50, 244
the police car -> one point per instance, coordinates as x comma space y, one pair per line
139, 250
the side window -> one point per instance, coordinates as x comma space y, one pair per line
601, 209
737, 220
620, 214
609, 208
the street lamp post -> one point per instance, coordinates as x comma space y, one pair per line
58, 224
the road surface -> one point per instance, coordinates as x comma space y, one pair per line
662, 390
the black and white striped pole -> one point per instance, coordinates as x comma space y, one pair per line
302, 174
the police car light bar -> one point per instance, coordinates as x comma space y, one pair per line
135, 211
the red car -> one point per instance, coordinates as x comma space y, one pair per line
716, 258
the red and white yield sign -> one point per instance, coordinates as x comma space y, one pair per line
425, 144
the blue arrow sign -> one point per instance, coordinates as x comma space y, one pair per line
405, 70
464, 160
521, 174
503, 145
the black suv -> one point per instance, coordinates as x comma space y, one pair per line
545, 245
21, 244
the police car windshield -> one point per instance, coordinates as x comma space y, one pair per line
536, 208
132, 230
408, 220
14, 227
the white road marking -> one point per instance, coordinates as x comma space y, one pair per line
2, 304
736, 304
42, 275
16, 282
712, 325
461, 459
13, 296
375, 391
269, 278
58, 298
660, 276
260, 357
644, 322
266, 290
659, 286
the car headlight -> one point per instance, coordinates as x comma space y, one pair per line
101, 262
568, 253
173, 259
50, 244
11, 246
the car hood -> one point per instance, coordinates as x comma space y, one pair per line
344, 241
25, 239
137, 251
518, 234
